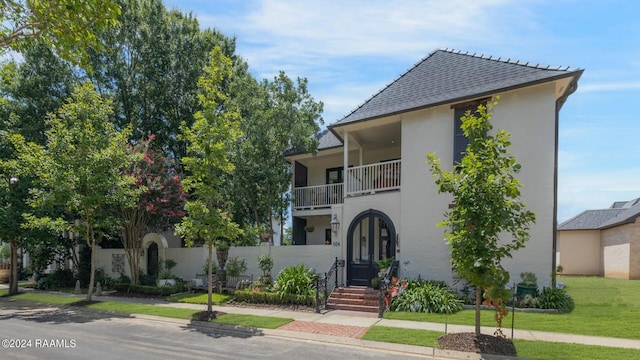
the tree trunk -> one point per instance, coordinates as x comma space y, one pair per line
210, 281
478, 302
92, 276
133, 258
13, 277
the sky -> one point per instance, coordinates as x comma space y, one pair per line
349, 50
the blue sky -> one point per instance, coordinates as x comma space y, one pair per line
349, 50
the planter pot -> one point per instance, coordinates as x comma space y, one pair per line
523, 290
166, 282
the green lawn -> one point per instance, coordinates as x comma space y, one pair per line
143, 309
200, 298
604, 307
525, 349
261, 322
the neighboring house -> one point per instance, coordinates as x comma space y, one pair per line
602, 242
369, 178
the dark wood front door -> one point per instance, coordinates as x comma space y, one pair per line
152, 259
371, 237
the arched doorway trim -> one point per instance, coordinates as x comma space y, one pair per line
371, 236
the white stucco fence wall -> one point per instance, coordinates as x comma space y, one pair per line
189, 261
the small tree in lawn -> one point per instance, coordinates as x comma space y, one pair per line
486, 197
207, 165
159, 206
80, 169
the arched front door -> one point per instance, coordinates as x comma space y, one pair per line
152, 259
371, 236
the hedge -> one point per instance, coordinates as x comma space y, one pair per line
261, 297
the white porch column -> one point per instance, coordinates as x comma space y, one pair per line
345, 165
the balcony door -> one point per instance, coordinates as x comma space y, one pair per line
371, 236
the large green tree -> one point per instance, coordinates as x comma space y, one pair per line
81, 169
208, 165
486, 194
67, 26
277, 115
150, 66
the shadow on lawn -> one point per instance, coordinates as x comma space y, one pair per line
55, 314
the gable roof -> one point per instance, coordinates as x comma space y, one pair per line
589, 220
447, 76
620, 212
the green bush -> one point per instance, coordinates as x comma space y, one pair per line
554, 298
426, 297
295, 280
151, 290
61, 278
261, 297
235, 266
205, 267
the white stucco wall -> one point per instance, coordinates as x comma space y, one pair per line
579, 252
189, 261
529, 115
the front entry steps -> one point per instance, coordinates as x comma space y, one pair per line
354, 298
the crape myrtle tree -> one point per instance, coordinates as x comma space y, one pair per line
277, 116
486, 195
207, 165
80, 169
160, 203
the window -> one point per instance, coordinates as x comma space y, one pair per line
460, 141
335, 175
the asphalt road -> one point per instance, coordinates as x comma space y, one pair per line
30, 332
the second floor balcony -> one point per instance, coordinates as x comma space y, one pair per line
359, 180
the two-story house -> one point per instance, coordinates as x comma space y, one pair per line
369, 182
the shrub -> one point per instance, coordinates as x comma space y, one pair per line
260, 297
265, 262
61, 278
205, 267
426, 297
151, 290
235, 266
554, 298
295, 280
123, 279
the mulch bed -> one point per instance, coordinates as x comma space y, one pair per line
486, 344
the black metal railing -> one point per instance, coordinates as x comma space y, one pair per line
392, 271
327, 283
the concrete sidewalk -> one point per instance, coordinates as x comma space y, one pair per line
360, 319
335, 325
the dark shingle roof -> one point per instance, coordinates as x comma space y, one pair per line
327, 140
447, 76
620, 212
589, 220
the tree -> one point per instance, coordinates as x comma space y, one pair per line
159, 206
67, 26
277, 116
486, 196
208, 165
81, 169
150, 66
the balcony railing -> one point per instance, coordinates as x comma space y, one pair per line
373, 178
366, 179
318, 196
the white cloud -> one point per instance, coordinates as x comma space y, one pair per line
614, 86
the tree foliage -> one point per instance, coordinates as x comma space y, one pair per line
207, 165
150, 66
277, 115
486, 195
80, 169
67, 26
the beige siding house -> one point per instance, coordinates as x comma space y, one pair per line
369, 181
602, 242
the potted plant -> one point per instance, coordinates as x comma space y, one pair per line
166, 278
309, 228
265, 262
528, 285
